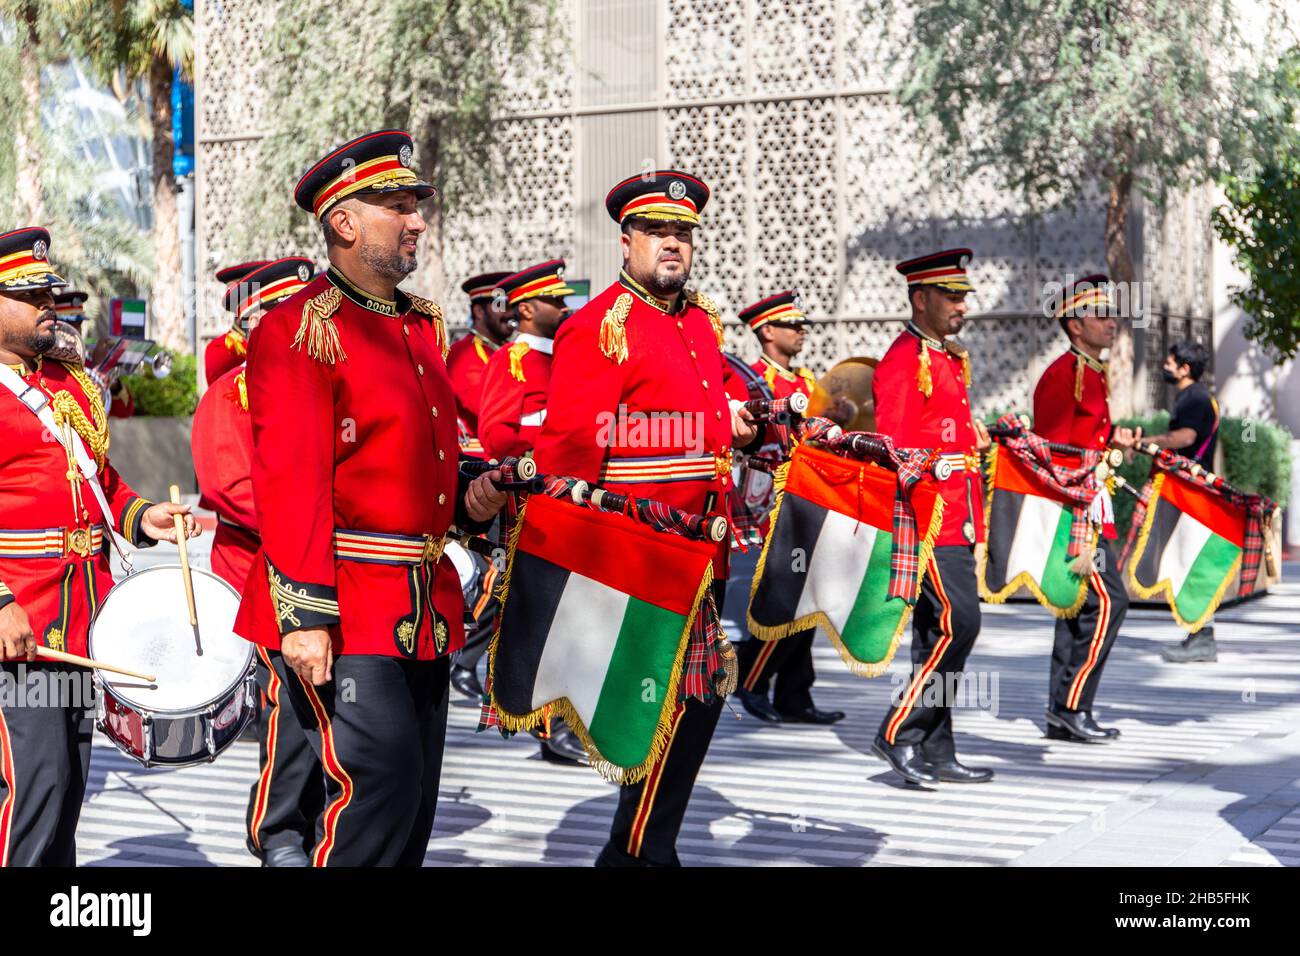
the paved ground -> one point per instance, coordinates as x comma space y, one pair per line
1207, 772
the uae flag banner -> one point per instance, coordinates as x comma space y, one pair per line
1187, 548
596, 614
1029, 538
827, 557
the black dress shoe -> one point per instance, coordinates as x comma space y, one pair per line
466, 682
563, 746
758, 706
1110, 732
905, 760
811, 715
1073, 725
285, 856
950, 771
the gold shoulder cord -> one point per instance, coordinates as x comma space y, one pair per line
431, 309
67, 411
702, 301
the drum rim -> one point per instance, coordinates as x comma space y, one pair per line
197, 710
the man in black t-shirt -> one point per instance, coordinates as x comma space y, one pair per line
1193, 433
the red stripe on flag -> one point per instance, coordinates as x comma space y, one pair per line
653, 566
862, 490
1013, 475
1206, 507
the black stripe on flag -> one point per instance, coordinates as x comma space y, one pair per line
1004, 519
536, 586
798, 526
1166, 516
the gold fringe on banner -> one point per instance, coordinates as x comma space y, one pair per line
613, 331
318, 332
525, 722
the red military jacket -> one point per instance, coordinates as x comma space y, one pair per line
513, 406
222, 443
467, 361
661, 416
59, 590
941, 420
222, 354
1072, 402
354, 431
784, 382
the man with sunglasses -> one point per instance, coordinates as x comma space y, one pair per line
781, 327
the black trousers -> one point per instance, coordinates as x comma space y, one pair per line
378, 729
945, 623
1083, 643
288, 796
45, 728
650, 813
786, 663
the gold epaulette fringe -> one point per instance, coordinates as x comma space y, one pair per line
431, 309
318, 332
807, 376
480, 351
923, 380
613, 329
517, 352
235, 343
700, 300
959, 350
1078, 378
241, 390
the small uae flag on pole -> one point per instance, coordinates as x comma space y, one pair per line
826, 560
1029, 539
596, 614
1188, 548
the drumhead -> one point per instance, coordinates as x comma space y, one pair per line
463, 562
144, 625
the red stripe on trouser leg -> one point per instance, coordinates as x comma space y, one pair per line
330, 761
272, 734
651, 787
760, 662
914, 688
7, 808
1094, 646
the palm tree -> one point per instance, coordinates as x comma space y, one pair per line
29, 27
130, 42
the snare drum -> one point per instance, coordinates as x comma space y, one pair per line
200, 703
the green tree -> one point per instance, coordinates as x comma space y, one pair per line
436, 68
1261, 222
130, 42
1056, 96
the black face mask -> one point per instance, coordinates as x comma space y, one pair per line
1170, 377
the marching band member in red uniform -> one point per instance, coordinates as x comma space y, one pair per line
1072, 407
648, 346
289, 793
921, 402
356, 485
467, 359
229, 351
70, 306
513, 402
781, 327
54, 567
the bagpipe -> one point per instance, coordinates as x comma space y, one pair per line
1049, 503
601, 594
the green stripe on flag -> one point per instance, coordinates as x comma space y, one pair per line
1060, 585
869, 631
636, 683
1211, 567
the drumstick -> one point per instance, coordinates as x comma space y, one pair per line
185, 568
67, 658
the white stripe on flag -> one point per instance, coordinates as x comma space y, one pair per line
582, 638
839, 563
1185, 543
1035, 532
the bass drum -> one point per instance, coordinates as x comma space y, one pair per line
200, 701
